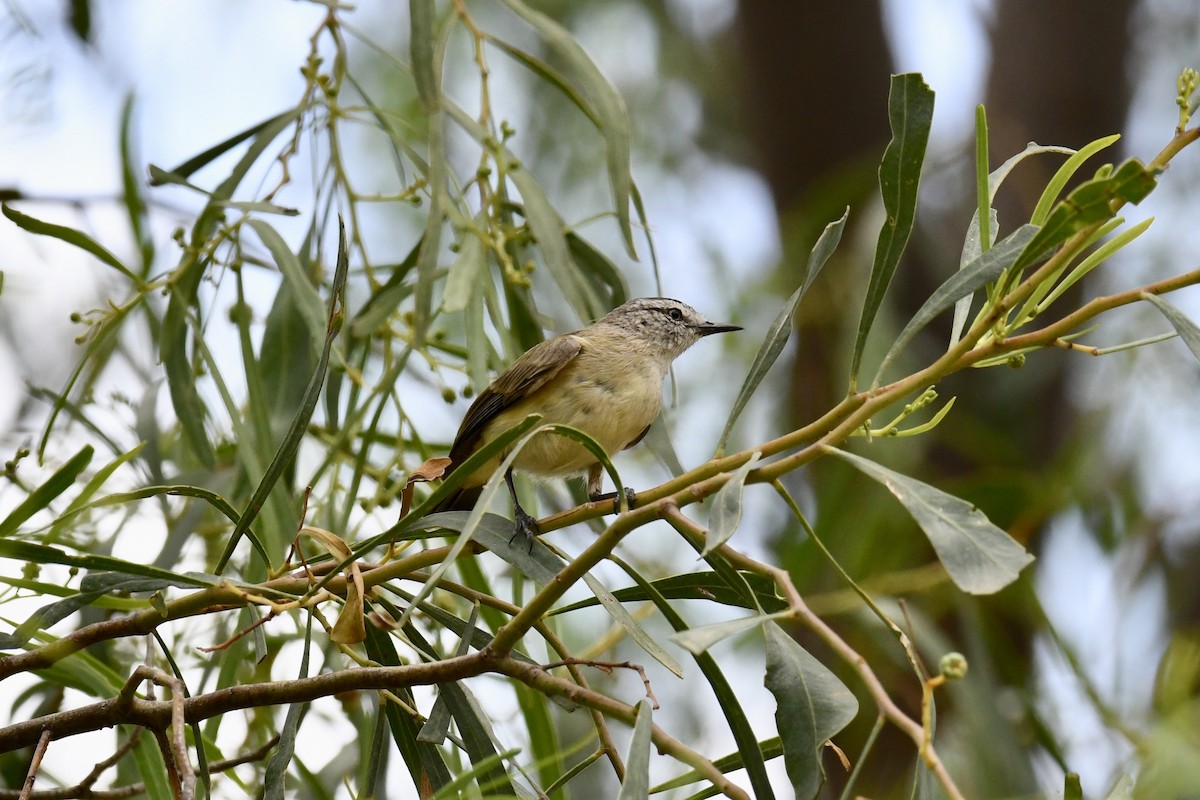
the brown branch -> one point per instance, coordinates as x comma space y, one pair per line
537, 678
84, 791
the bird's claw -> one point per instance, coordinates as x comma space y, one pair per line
630, 499
525, 527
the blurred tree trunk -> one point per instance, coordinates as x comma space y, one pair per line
816, 89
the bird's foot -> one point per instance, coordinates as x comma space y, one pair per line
630, 499
525, 527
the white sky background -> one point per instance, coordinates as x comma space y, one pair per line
203, 69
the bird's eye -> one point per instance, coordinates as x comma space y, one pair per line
675, 314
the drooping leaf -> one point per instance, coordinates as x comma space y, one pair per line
639, 634
636, 785
276, 771
291, 441
910, 113
812, 705
727, 507
980, 558
303, 292
1188, 330
70, 236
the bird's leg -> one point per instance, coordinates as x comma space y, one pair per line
595, 483
526, 526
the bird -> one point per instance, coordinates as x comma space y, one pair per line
605, 379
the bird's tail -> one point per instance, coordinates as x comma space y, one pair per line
461, 500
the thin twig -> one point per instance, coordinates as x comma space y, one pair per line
607, 667
35, 764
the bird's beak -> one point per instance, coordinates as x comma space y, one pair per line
709, 328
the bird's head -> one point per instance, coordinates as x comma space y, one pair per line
666, 325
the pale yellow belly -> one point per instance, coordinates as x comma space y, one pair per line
614, 412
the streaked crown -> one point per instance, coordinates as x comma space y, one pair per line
668, 325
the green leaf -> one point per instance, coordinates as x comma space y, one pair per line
466, 271
1090, 203
70, 236
987, 267
636, 785
549, 231
696, 586
384, 301
639, 635
812, 705
607, 108
185, 281
428, 52
781, 329
731, 707
1068, 169
291, 442
980, 558
276, 772
1072, 788
770, 748
41, 497
727, 507
269, 126
698, 640
131, 188
307, 300
1188, 331
910, 113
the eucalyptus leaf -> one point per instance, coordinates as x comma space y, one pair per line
698, 640
961, 284
812, 706
781, 328
910, 113
1188, 330
636, 785
727, 507
606, 108
639, 635
980, 558
70, 236
41, 497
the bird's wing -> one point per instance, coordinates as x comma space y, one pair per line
530, 372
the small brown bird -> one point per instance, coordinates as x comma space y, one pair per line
606, 380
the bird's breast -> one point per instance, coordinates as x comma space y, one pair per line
611, 398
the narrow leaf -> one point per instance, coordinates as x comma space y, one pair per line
781, 328
193, 164
607, 109
727, 507
1188, 331
70, 236
812, 706
980, 558
698, 640
303, 292
910, 112
274, 776
41, 497
961, 284
636, 785
637, 632
1064, 174
291, 442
